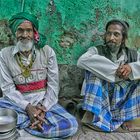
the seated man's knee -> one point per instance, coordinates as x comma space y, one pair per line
74, 126
70, 126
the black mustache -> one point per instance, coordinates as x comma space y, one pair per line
109, 42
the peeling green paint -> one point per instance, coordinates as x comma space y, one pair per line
72, 26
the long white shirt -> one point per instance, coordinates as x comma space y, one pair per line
105, 68
44, 67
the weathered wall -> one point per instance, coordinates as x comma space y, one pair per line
72, 26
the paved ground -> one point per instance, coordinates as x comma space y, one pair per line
85, 133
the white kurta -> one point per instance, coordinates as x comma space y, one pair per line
105, 68
44, 68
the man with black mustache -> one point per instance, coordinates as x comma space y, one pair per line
111, 85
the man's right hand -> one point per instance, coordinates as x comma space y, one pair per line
31, 111
124, 71
36, 115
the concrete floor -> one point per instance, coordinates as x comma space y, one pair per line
86, 133
26, 136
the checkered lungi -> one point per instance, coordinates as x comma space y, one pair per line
59, 123
111, 103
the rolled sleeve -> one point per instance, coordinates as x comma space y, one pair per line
98, 65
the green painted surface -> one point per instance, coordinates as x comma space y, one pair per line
72, 26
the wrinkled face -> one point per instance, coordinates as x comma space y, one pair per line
114, 37
25, 35
24, 32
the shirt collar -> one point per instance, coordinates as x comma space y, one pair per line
15, 50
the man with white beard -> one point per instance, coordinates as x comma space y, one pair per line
111, 88
30, 82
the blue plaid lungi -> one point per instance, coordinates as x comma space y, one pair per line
111, 103
59, 123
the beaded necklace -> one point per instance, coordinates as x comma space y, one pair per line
26, 70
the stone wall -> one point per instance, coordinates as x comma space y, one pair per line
71, 78
72, 26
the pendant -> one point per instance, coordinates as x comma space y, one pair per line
26, 73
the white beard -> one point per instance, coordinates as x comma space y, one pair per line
24, 46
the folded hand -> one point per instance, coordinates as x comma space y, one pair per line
123, 71
36, 115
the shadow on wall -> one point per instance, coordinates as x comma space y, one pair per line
71, 79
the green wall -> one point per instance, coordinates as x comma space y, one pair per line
72, 26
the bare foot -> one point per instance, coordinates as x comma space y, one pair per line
133, 125
127, 125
